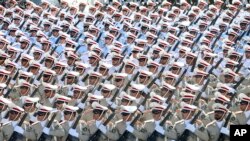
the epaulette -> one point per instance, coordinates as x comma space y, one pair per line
151, 120
61, 122
7, 123
118, 121
238, 112
34, 123
210, 112
179, 122
211, 123
91, 121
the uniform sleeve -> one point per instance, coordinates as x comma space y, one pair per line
112, 132
83, 131
29, 133
140, 133
170, 132
201, 133
57, 131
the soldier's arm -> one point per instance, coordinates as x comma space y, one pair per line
140, 133
83, 131
29, 133
57, 131
112, 132
170, 133
201, 132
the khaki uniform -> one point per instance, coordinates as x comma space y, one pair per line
81, 129
240, 118
214, 131
169, 131
139, 132
200, 132
36, 131
7, 129
111, 134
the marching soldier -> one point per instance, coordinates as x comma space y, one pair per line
216, 127
29, 105
135, 131
40, 127
197, 128
70, 119
163, 131
243, 116
108, 131
11, 124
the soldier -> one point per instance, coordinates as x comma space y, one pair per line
216, 127
197, 128
163, 131
29, 105
4, 108
70, 119
135, 131
11, 124
48, 94
59, 103
38, 128
107, 91
242, 116
108, 132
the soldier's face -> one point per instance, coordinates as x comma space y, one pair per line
3, 107
164, 60
68, 115
175, 70
186, 114
142, 79
142, 61
228, 79
156, 114
130, 40
59, 104
93, 80
23, 45
115, 61
3, 78
41, 116
28, 107
77, 94
70, 61
24, 90
92, 60
129, 69
70, 80
48, 93
152, 69
34, 70
14, 115
48, 63
199, 79
218, 115
118, 82
97, 115
2, 45
36, 55
105, 93
2, 59
244, 106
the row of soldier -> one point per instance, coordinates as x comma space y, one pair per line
151, 71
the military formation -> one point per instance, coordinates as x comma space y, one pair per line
124, 71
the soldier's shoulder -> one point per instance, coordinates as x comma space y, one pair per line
119, 121
90, 122
238, 112
149, 121
179, 122
211, 123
